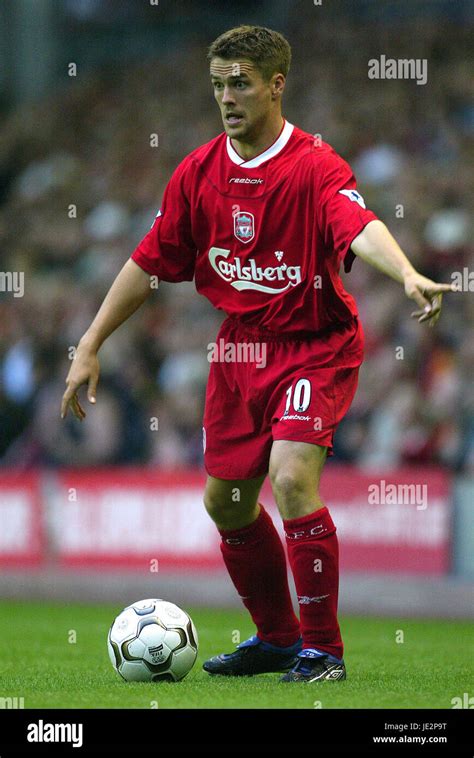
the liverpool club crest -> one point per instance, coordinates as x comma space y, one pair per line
244, 226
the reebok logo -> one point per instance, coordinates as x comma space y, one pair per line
250, 276
244, 180
295, 417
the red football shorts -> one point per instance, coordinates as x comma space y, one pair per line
265, 387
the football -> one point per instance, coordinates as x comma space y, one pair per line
152, 640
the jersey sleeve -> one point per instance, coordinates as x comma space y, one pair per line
342, 214
167, 250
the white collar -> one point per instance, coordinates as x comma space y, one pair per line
270, 152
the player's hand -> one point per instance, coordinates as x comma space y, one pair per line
428, 295
85, 368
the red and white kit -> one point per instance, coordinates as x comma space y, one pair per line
264, 240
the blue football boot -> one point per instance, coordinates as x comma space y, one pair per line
254, 657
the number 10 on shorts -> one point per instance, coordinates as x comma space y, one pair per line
300, 395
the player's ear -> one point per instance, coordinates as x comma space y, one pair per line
277, 85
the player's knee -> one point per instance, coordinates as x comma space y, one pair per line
226, 515
219, 507
287, 485
227, 509
213, 505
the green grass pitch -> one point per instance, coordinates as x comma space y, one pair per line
40, 664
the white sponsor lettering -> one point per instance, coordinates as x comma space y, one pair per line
249, 276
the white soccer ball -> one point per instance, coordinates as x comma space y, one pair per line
151, 641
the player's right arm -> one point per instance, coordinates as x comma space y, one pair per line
168, 253
128, 292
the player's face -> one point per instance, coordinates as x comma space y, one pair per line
243, 96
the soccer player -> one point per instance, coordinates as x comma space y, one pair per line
262, 217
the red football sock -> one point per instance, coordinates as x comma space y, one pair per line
314, 559
255, 559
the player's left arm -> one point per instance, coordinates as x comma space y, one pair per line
376, 246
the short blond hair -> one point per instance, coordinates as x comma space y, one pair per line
267, 49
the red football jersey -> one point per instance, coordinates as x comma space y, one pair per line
263, 238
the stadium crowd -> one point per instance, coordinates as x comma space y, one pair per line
81, 178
